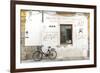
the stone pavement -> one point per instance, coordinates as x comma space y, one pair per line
48, 60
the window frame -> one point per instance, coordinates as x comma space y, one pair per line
72, 33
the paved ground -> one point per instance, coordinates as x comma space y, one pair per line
48, 60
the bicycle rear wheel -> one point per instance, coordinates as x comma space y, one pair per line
37, 56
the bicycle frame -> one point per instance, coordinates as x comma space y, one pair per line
45, 54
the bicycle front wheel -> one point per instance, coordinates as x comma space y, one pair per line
52, 55
37, 56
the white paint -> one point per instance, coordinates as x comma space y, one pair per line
40, 33
33, 26
49, 64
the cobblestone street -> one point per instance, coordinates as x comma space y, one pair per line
48, 60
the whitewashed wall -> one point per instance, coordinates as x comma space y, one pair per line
41, 34
33, 26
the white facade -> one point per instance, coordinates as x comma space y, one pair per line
39, 33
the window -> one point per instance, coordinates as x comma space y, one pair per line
65, 34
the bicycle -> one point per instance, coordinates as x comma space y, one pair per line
38, 55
